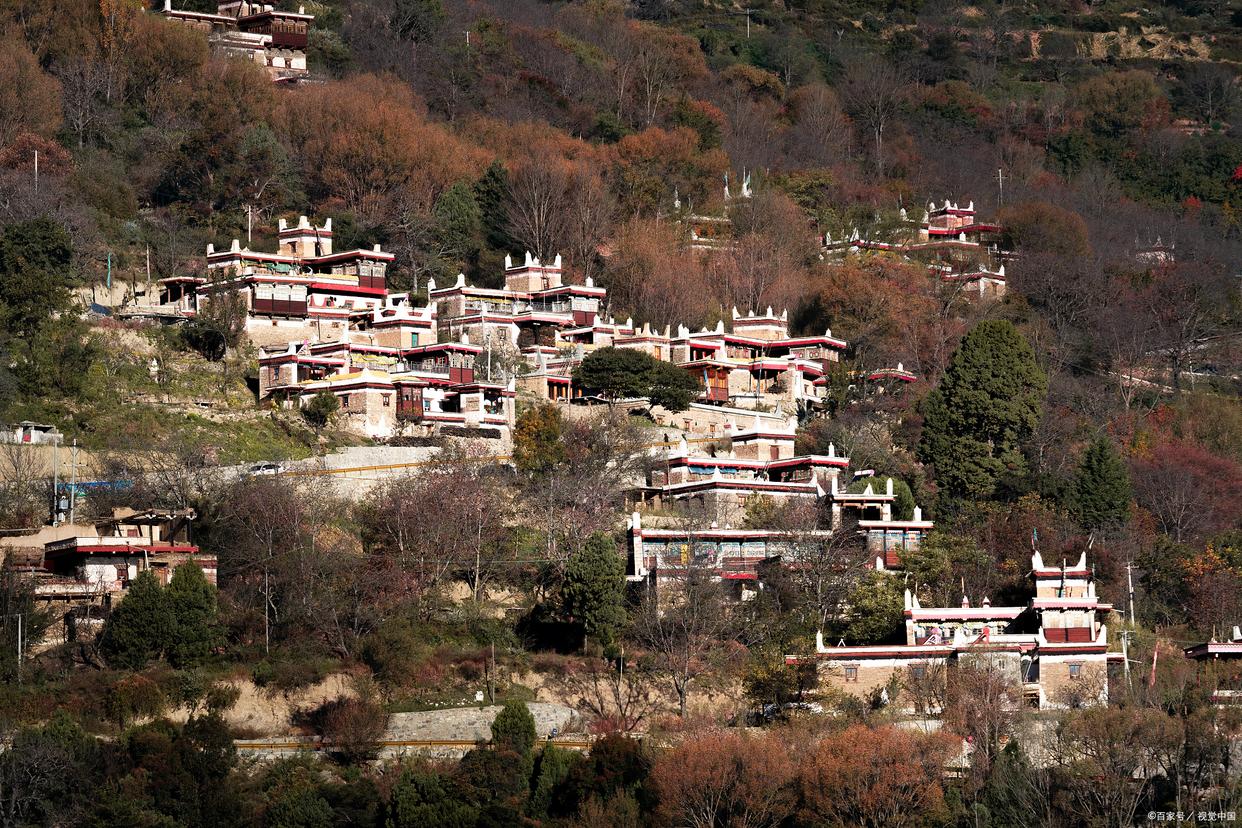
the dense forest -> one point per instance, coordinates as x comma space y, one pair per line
1095, 407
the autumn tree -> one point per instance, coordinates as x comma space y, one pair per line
538, 435
987, 405
1192, 493
876, 777
29, 97
722, 778
653, 274
1115, 102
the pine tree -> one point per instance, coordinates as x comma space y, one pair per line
138, 628
1102, 486
553, 769
594, 590
987, 406
458, 223
513, 729
620, 373
491, 193
192, 601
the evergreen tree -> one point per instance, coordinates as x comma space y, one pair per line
491, 194
458, 223
421, 798
514, 729
1102, 486
321, 409
986, 407
192, 601
594, 590
621, 373
35, 259
554, 767
538, 444
877, 609
138, 628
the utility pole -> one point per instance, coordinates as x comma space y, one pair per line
1000, 183
250, 223
1125, 655
55, 479
21, 644
467, 37
36, 152
1130, 588
73, 481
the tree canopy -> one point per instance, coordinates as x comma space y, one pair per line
988, 404
625, 373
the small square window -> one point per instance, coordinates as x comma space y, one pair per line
918, 671
387, 400
851, 674
1075, 670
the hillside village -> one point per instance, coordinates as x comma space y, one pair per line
439, 413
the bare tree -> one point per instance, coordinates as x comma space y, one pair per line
23, 486
1211, 90
84, 83
589, 208
684, 628
445, 522
1109, 758
984, 704
536, 207
873, 92
615, 691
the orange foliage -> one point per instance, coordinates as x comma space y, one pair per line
527, 140
20, 154
876, 777
650, 164
369, 148
888, 312
724, 778
653, 275
29, 97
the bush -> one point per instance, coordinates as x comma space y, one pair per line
321, 409
351, 727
